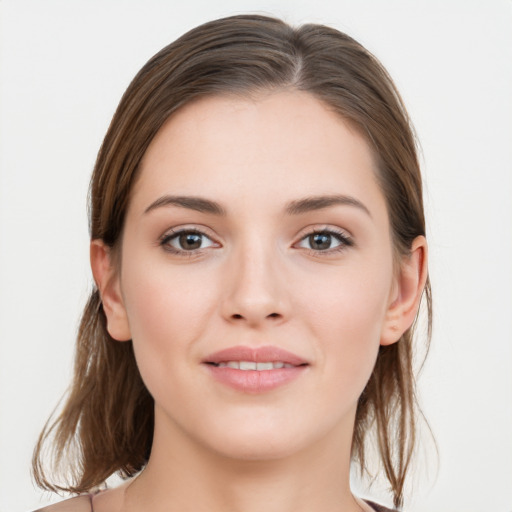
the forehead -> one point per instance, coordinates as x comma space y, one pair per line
278, 145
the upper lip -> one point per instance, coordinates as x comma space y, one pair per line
256, 354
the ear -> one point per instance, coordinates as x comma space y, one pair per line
406, 296
106, 277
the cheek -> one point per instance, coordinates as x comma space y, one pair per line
346, 313
350, 301
168, 312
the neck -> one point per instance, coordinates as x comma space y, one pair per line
182, 476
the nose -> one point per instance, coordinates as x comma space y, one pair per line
255, 293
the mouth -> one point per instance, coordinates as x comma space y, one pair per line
245, 358
253, 365
255, 370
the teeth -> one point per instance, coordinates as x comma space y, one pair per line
264, 366
252, 365
247, 365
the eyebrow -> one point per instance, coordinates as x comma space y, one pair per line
296, 207
313, 203
191, 202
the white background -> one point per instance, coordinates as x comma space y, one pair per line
64, 66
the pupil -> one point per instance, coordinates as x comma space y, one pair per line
190, 240
320, 241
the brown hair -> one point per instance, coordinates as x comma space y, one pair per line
108, 417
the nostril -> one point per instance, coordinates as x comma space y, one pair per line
238, 316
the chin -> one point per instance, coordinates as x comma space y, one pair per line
258, 449
261, 440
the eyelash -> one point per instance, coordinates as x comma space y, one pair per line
344, 240
171, 235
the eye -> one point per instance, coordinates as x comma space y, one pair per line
186, 241
325, 240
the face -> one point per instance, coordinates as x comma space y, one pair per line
256, 276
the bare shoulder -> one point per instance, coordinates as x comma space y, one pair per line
77, 504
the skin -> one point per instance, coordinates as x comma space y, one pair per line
256, 279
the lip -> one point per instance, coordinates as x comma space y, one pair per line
257, 354
255, 381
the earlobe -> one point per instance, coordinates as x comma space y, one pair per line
107, 280
409, 289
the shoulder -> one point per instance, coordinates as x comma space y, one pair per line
77, 504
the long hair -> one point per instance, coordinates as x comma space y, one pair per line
108, 419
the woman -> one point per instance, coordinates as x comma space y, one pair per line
258, 246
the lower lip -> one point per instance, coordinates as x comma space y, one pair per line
255, 381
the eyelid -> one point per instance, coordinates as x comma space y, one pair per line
175, 231
344, 238
342, 235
